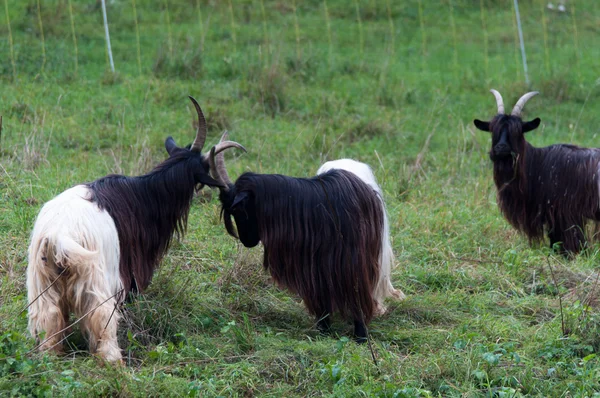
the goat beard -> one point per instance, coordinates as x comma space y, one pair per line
506, 170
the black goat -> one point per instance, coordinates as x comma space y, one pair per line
323, 237
555, 187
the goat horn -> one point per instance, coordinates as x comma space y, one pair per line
521, 103
198, 143
217, 160
221, 146
213, 170
499, 101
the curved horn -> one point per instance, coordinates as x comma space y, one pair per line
521, 103
198, 143
220, 147
214, 172
217, 160
499, 101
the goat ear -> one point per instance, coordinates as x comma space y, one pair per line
240, 199
532, 125
170, 145
483, 126
208, 180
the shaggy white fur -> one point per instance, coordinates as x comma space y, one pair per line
74, 237
384, 288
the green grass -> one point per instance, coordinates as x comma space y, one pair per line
482, 317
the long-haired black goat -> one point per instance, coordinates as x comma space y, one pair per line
325, 238
555, 187
95, 242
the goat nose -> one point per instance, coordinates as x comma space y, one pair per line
501, 148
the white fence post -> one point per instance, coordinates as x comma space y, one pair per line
110, 57
522, 42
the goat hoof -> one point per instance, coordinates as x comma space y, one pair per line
398, 294
324, 325
360, 332
360, 340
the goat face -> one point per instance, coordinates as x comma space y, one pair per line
195, 160
508, 135
241, 207
192, 154
508, 139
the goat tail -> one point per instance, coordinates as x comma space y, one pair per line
51, 256
69, 253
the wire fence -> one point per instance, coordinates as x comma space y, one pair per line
454, 40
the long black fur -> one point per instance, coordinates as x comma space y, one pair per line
149, 209
321, 236
553, 188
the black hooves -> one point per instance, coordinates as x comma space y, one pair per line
360, 332
360, 329
324, 324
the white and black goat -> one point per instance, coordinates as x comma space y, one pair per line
556, 187
325, 238
96, 242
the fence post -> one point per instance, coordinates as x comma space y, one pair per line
110, 57
523, 55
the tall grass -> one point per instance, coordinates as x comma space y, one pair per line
233, 27
454, 41
137, 37
10, 42
41, 26
361, 38
545, 33
169, 29
329, 39
486, 57
74, 36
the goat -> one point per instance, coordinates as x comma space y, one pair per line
325, 238
94, 243
554, 188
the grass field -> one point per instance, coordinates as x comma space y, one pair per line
395, 84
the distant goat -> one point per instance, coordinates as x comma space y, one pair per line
95, 242
325, 238
556, 187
